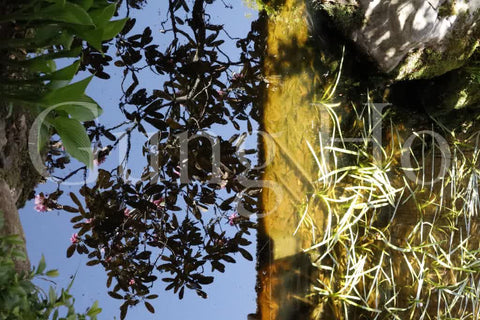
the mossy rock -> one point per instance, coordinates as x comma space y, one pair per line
409, 39
454, 90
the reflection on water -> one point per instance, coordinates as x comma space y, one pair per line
289, 119
367, 210
371, 207
149, 215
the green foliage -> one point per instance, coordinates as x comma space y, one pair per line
156, 230
261, 5
74, 138
54, 26
21, 299
474, 71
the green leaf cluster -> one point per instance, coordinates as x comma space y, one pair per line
54, 24
58, 22
21, 299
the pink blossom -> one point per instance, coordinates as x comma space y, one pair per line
222, 94
176, 170
126, 212
40, 208
237, 76
160, 203
232, 218
108, 258
101, 156
223, 184
131, 282
40, 203
74, 239
220, 242
39, 198
90, 220
98, 161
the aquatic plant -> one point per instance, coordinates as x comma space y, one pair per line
396, 241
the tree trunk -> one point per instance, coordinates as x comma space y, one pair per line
17, 176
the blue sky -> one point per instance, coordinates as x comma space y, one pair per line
232, 296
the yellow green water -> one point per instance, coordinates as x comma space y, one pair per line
417, 248
289, 119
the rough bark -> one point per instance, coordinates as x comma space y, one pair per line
17, 176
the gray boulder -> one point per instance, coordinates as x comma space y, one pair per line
410, 39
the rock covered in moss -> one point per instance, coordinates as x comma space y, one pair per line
409, 39
460, 90
457, 89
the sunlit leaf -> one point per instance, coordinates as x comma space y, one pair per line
43, 136
85, 4
74, 139
94, 310
52, 273
112, 28
91, 35
69, 13
52, 296
72, 92
84, 109
66, 73
101, 16
41, 265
